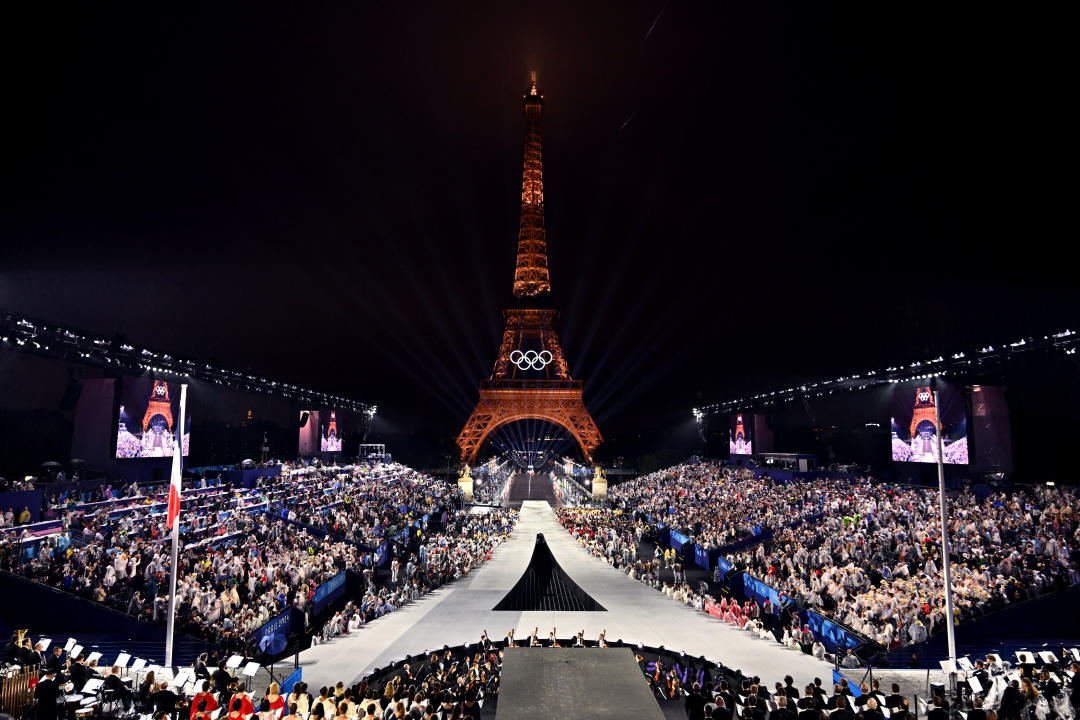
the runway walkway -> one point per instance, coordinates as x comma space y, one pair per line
460, 612
531, 486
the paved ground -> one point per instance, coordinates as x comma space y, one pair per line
460, 612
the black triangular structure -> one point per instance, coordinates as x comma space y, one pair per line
546, 586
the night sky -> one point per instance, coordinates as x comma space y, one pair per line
736, 197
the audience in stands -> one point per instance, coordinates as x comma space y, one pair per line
250, 554
874, 562
865, 553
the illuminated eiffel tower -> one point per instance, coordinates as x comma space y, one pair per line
531, 379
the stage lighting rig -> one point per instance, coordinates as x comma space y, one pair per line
958, 363
51, 340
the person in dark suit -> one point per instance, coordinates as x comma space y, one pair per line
981, 673
812, 713
1074, 690
25, 654
222, 679
936, 711
728, 697
164, 700
790, 690
871, 711
114, 686
1048, 686
695, 703
841, 709
753, 711
47, 695
56, 663
721, 711
809, 700
11, 651
201, 671
79, 673
782, 711
977, 712
894, 700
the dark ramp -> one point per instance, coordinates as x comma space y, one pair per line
532, 487
546, 586
544, 683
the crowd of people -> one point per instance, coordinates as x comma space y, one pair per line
874, 562
866, 553
458, 683
250, 554
713, 504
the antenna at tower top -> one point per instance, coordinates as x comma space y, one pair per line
532, 77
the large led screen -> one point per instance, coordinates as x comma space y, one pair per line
914, 431
149, 412
740, 426
308, 445
330, 433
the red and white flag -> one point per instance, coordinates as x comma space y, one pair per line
174, 488
177, 464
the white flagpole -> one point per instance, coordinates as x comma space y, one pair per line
178, 454
945, 549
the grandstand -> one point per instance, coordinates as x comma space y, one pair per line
548, 535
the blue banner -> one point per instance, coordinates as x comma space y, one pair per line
834, 637
677, 540
273, 637
287, 684
701, 557
760, 591
723, 567
329, 591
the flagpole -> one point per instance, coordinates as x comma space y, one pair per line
946, 550
178, 455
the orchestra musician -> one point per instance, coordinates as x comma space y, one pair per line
47, 694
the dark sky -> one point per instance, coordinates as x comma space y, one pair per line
735, 196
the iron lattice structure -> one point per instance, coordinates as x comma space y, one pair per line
531, 379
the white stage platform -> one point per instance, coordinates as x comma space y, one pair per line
461, 611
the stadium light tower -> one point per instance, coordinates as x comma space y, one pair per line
369, 419
702, 428
945, 553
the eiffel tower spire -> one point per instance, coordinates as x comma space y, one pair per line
531, 272
531, 379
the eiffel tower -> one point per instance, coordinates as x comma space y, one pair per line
531, 380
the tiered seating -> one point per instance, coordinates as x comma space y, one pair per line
865, 553
250, 554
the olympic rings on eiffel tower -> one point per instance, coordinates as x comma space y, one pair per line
530, 359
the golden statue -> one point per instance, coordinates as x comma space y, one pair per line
465, 483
